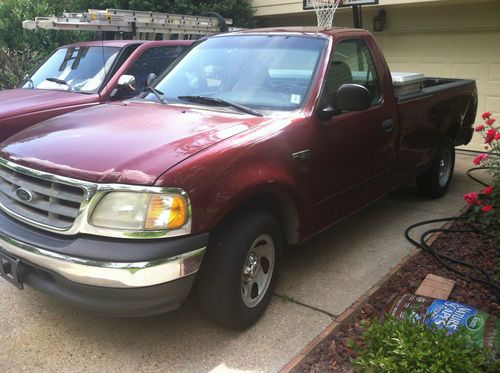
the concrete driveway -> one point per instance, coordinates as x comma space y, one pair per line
320, 280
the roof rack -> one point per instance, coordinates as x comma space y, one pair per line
142, 24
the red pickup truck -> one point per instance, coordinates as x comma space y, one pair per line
251, 142
84, 74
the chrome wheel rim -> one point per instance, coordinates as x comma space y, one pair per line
257, 270
445, 167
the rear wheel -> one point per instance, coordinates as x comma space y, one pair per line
240, 269
435, 181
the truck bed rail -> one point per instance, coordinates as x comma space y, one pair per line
431, 86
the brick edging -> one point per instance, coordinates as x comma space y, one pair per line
355, 308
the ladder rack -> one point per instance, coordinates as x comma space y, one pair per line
142, 24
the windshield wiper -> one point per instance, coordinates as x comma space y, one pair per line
62, 82
219, 102
159, 94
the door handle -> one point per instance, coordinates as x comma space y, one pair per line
388, 125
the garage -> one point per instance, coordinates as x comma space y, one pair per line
444, 38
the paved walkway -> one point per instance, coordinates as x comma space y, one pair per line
320, 279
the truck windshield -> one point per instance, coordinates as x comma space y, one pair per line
77, 69
256, 71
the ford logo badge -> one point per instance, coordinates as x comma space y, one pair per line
24, 195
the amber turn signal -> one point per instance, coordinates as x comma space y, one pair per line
166, 212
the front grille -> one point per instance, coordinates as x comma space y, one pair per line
53, 203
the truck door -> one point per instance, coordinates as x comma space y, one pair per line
356, 148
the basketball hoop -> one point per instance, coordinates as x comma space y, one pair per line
325, 11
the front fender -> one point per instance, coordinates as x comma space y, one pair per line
226, 176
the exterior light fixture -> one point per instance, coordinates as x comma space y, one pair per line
379, 21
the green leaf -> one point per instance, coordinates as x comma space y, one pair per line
403, 346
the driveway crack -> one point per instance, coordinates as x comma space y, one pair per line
286, 298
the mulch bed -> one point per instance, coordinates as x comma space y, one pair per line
334, 354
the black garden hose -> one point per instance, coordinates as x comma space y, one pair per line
447, 261
469, 174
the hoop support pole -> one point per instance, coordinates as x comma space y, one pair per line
357, 16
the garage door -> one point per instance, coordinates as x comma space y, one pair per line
471, 55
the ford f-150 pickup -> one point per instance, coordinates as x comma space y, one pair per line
84, 74
253, 141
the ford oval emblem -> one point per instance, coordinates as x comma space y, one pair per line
24, 195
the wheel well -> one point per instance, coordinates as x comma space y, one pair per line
466, 121
280, 205
453, 130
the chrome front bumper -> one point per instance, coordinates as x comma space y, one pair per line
102, 273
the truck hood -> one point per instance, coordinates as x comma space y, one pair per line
14, 102
130, 143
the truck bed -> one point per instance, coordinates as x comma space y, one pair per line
432, 86
442, 108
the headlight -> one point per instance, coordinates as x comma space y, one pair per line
140, 211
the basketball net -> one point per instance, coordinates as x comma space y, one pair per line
325, 11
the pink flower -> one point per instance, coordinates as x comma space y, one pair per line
479, 128
490, 135
487, 208
471, 198
497, 136
480, 158
490, 121
486, 115
488, 190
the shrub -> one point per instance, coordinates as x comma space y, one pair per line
409, 346
485, 206
14, 65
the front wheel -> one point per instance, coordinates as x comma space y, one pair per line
435, 181
240, 269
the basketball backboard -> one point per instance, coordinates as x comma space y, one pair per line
345, 3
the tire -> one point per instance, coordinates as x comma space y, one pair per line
435, 181
239, 273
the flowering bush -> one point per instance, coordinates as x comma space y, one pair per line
485, 205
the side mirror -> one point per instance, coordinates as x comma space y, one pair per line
151, 79
326, 113
31, 85
353, 97
127, 81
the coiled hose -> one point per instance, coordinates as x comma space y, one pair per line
447, 261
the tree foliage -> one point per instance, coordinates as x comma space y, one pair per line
240, 11
14, 12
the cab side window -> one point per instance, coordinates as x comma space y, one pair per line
154, 60
123, 57
352, 63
